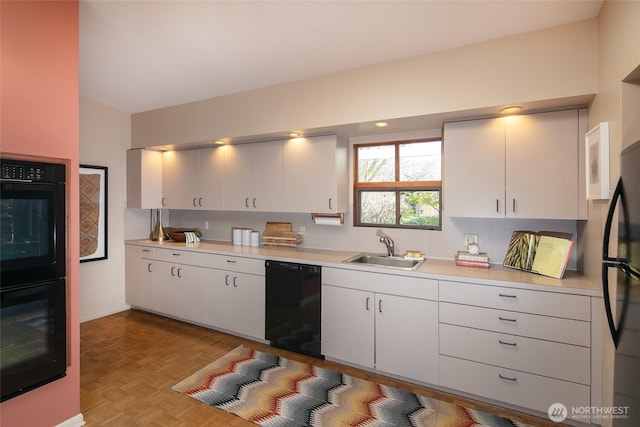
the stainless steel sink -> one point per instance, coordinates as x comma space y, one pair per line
384, 261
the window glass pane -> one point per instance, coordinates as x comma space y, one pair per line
420, 161
420, 208
377, 207
376, 163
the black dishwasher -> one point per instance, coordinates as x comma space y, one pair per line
292, 320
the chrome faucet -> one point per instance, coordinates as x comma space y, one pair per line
387, 241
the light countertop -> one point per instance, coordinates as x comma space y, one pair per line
439, 269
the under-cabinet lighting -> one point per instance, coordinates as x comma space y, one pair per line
512, 109
381, 124
294, 134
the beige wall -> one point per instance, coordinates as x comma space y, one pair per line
618, 56
105, 136
553, 63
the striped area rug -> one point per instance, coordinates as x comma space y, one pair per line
273, 391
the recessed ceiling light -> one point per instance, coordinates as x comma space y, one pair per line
294, 134
382, 124
512, 109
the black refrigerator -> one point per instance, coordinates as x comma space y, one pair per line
624, 323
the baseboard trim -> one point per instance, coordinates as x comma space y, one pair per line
75, 421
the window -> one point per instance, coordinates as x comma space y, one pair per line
398, 184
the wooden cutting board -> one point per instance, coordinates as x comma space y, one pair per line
278, 226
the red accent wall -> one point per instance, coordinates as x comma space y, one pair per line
39, 105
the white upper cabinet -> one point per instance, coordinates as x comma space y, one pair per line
525, 166
253, 177
316, 174
193, 179
144, 179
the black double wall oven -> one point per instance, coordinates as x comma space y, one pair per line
33, 345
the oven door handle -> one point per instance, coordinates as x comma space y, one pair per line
8, 180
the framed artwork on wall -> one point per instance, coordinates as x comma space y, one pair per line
597, 162
93, 213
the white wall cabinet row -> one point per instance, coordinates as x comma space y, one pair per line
175, 283
297, 175
529, 166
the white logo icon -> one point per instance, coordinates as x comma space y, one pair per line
557, 412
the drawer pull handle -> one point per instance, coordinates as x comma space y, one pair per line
231, 261
146, 250
506, 319
512, 344
175, 254
512, 379
508, 296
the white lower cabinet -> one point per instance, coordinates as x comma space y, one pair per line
395, 334
183, 285
522, 347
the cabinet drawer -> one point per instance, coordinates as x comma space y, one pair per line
143, 252
413, 287
566, 331
551, 359
203, 259
536, 302
514, 387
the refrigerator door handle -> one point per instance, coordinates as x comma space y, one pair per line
609, 262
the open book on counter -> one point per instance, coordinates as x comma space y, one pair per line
543, 252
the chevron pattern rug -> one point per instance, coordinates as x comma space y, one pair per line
272, 391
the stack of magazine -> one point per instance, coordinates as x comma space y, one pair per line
465, 259
543, 252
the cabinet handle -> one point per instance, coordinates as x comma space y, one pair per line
254, 202
172, 271
497, 205
226, 280
513, 379
330, 203
164, 201
194, 202
200, 202
507, 296
514, 205
231, 261
146, 250
367, 304
179, 269
380, 306
176, 253
512, 344
234, 282
149, 267
246, 202
506, 319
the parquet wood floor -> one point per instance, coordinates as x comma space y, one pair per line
130, 360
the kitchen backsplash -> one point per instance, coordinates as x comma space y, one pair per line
493, 234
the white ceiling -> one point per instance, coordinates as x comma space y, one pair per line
142, 55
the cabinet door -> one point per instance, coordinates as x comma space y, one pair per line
348, 325
164, 279
248, 305
237, 177
266, 177
211, 178
407, 337
474, 177
144, 179
311, 175
191, 283
542, 166
180, 179
139, 289
217, 299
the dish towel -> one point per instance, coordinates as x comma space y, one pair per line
191, 237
